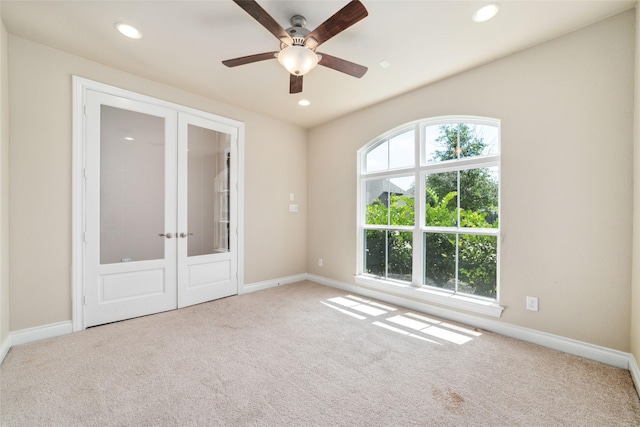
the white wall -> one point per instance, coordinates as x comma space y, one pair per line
567, 139
4, 190
635, 301
41, 180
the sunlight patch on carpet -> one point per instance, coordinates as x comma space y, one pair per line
447, 325
366, 307
406, 324
430, 330
403, 332
341, 310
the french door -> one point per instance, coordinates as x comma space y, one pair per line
160, 209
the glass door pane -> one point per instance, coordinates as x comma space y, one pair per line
132, 186
208, 162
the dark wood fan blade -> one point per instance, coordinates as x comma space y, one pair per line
353, 12
342, 65
295, 84
249, 59
261, 15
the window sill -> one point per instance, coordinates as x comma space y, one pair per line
476, 305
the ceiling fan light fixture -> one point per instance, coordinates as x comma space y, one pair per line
298, 60
486, 12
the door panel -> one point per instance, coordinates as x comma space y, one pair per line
207, 262
130, 200
121, 286
160, 209
208, 272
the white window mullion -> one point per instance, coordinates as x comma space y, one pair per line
461, 164
387, 188
462, 230
361, 221
457, 260
417, 265
386, 254
458, 218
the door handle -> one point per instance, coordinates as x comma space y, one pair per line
183, 235
167, 235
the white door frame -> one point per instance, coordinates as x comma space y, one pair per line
80, 86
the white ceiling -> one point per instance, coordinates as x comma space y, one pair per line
185, 41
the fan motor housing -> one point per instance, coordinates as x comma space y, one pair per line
297, 31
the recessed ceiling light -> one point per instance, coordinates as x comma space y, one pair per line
128, 31
304, 102
486, 12
384, 63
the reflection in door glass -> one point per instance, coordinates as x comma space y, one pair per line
131, 186
208, 194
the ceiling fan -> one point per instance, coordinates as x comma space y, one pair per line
298, 45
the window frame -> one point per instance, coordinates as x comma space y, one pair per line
419, 170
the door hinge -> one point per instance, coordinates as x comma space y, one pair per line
84, 236
84, 173
84, 299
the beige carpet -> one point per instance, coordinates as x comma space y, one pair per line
304, 355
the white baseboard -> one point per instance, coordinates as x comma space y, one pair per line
37, 333
25, 336
605, 355
589, 351
259, 286
4, 348
635, 372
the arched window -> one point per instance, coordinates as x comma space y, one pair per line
428, 210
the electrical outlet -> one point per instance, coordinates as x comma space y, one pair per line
320, 262
532, 303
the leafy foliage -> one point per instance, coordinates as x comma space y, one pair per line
468, 144
441, 211
400, 244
